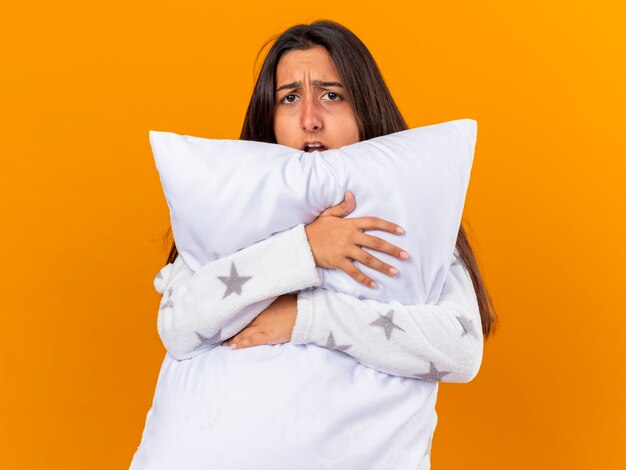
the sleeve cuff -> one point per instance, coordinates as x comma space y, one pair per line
304, 318
162, 277
311, 271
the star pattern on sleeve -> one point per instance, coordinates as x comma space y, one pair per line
433, 374
468, 326
386, 323
167, 304
331, 344
234, 281
208, 340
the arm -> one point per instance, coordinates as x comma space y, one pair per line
201, 309
441, 342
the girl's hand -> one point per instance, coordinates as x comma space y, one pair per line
272, 326
336, 241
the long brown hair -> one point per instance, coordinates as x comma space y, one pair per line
375, 110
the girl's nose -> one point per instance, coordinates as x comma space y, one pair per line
311, 116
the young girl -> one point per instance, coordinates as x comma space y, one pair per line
319, 88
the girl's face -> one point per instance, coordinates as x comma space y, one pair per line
309, 103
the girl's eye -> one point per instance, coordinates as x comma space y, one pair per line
287, 96
290, 98
330, 93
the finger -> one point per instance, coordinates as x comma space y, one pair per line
349, 268
370, 260
376, 223
255, 339
380, 244
343, 208
247, 331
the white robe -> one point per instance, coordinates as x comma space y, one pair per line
355, 388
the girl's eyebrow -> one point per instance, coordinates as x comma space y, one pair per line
317, 83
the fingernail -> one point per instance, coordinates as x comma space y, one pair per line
399, 230
372, 284
233, 346
404, 255
393, 270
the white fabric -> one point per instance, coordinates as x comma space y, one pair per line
225, 195
300, 406
283, 407
286, 406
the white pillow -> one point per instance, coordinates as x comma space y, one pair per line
304, 406
225, 195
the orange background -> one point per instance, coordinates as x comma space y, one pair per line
83, 215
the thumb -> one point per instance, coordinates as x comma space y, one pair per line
343, 208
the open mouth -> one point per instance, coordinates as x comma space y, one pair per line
313, 148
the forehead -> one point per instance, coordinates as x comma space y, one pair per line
313, 63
